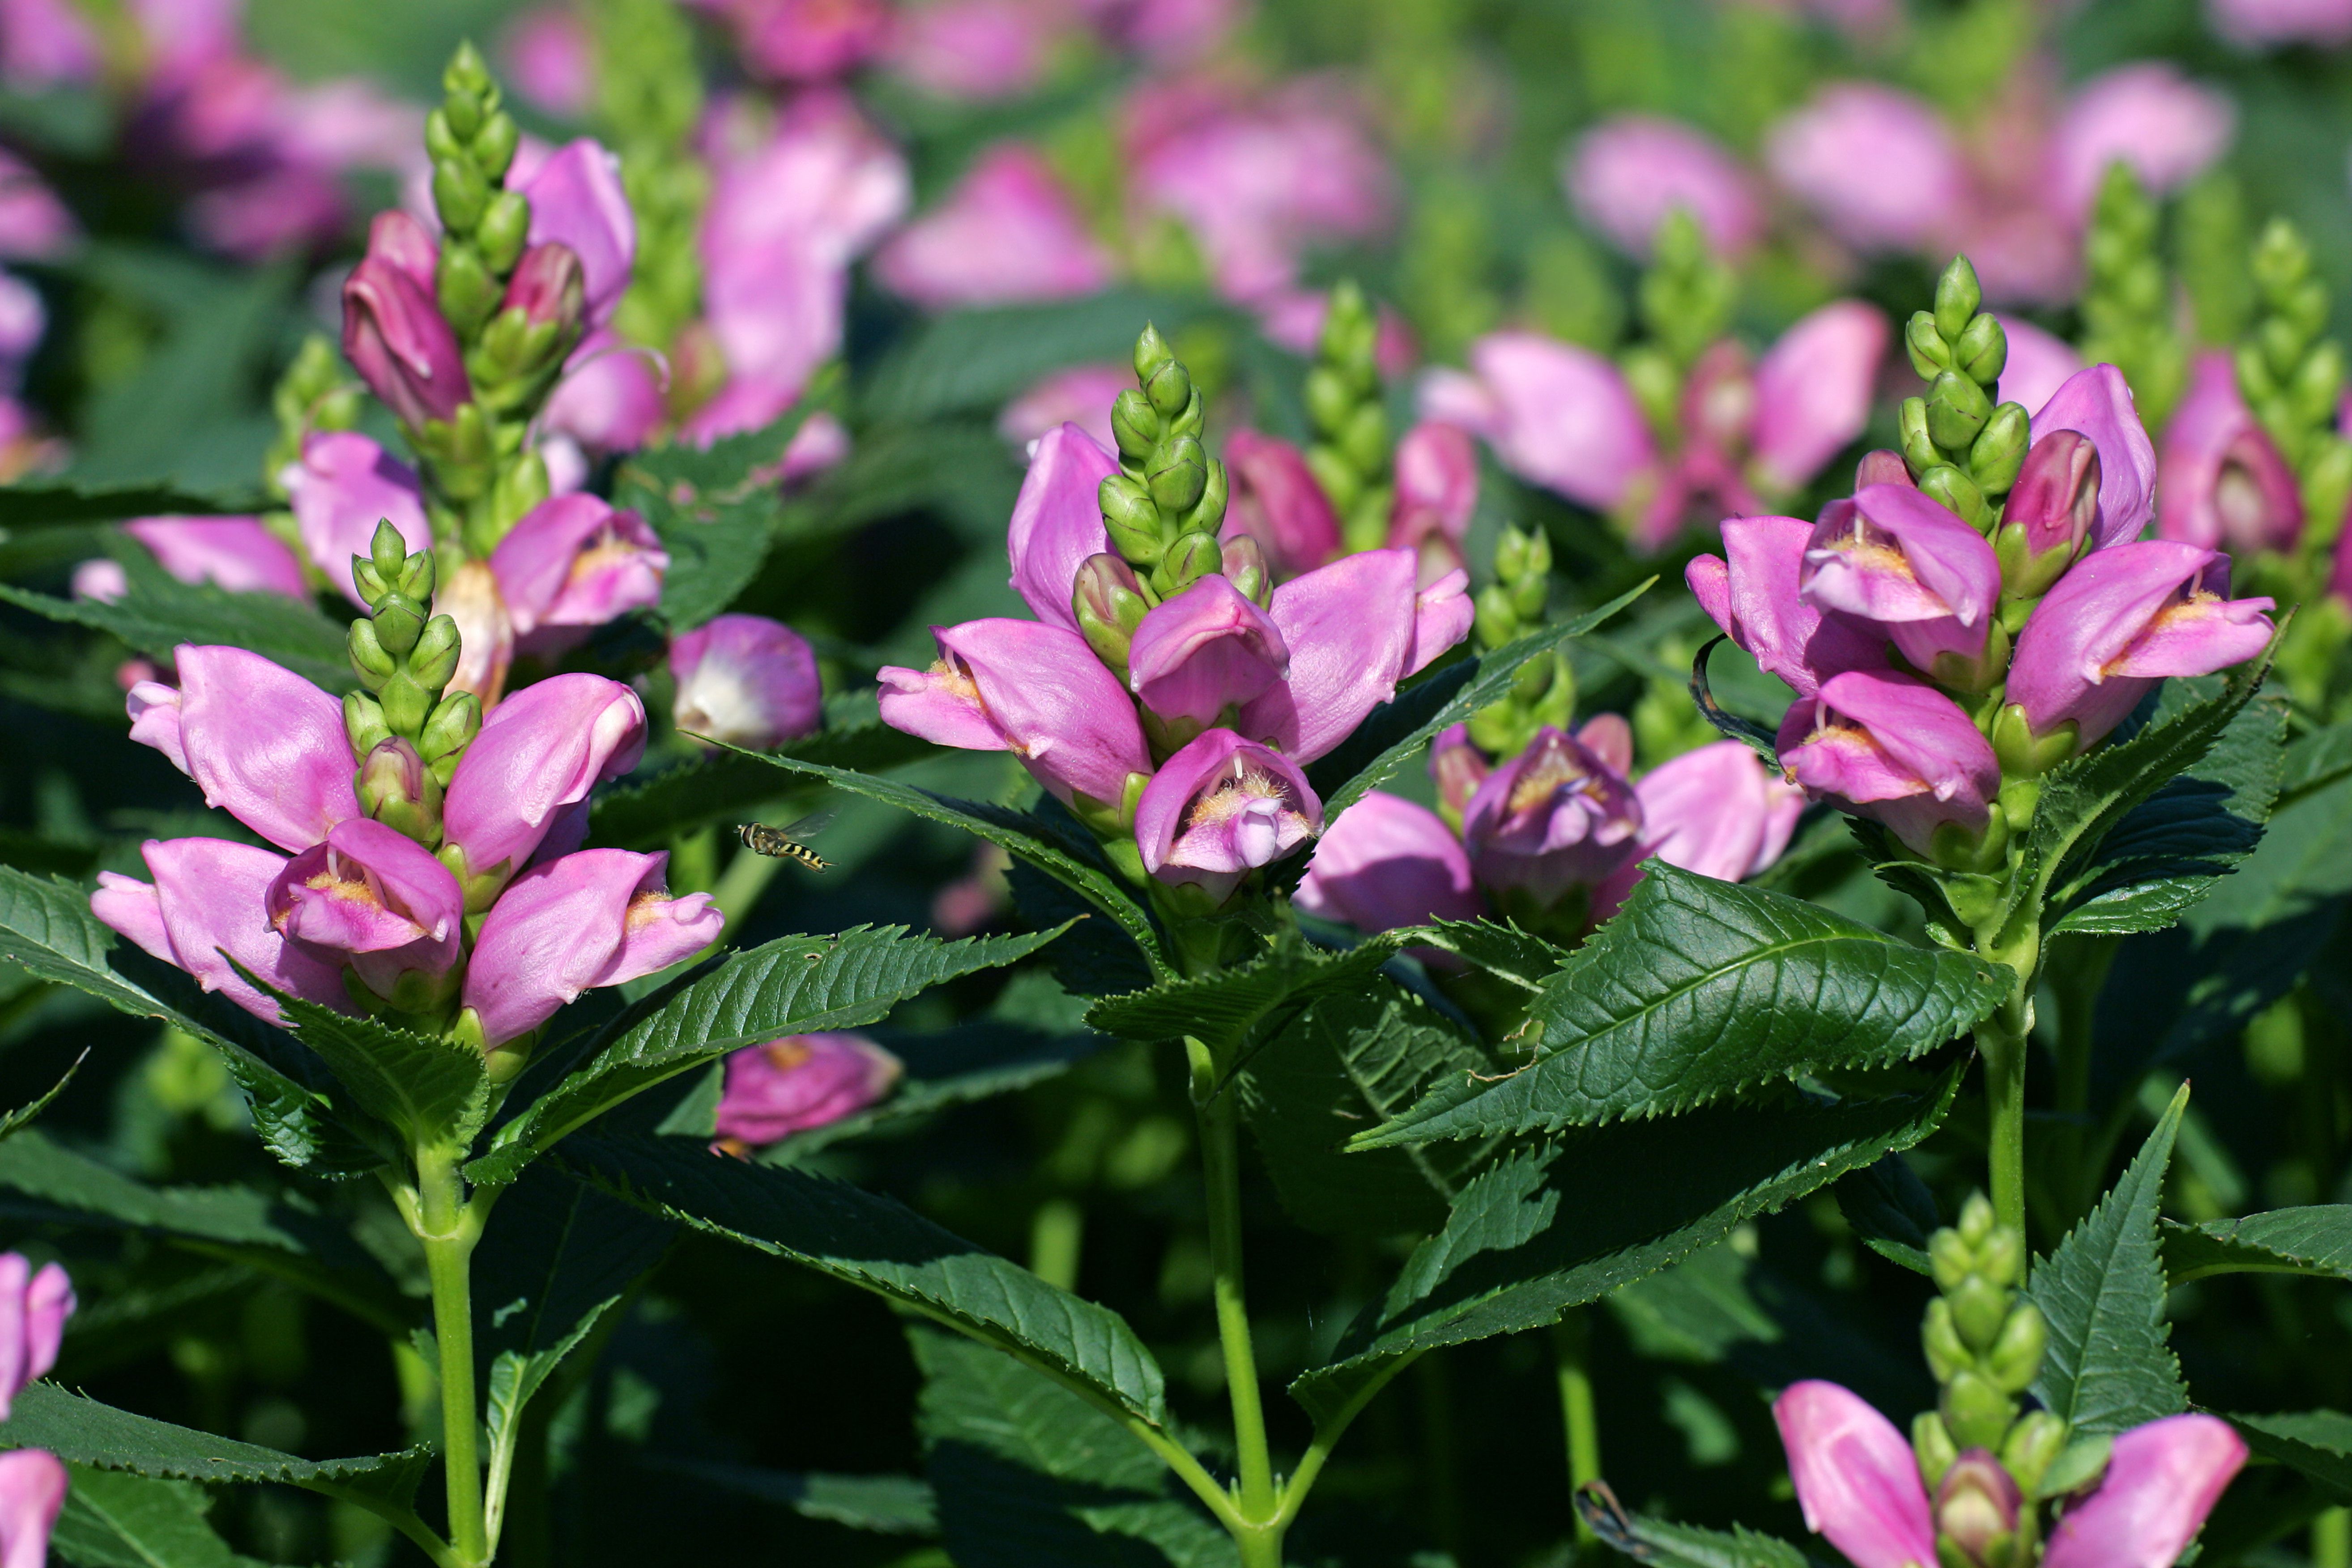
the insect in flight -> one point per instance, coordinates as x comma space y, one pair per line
785, 843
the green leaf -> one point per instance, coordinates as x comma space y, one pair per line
553, 1253
1501, 949
2315, 760
884, 1505
1352, 1059
980, 360
966, 474
1078, 866
794, 985
17, 1121
2102, 1291
432, 1090
159, 612
877, 1245
514, 1381
646, 813
46, 503
1656, 1541
84, 1431
1699, 1311
46, 929
2317, 1241
2318, 1443
1550, 1228
1697, 989
715, 510
114, 1519
1249, 1003
1027, 1474
1395, 732
1892, 1212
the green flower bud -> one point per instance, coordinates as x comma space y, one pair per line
456, 720
1511, 553
1934, 1445
1977, 1221
1329, 401
1191, 557
505, 228
1151, 351
1364, 441
1134, 424
364, 722
1958, 409
1342, 485
1950, 1259
1929, 352
1919, 450
1208, 513
1999, 452
1171, 390
1982, 351
370, 662
2036, 1439
395, 789
1977, 1412
1955, 848
1958, 299
368, 581
2015, 1359
406, 703
398, 621
442, 143
418, 577
1108, 604
2020, 755
1130, 518
494, 145
1498, 623
459, 194
1179, 476
1980, 1308
1939, 1337
464, 287
1955, 490
2000, 1257
463, 111
435, 659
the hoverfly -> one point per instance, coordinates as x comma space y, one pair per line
785, 843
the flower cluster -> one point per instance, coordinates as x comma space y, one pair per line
1969, 1488
430, 867
34, 1307
1170, 691
1946, 645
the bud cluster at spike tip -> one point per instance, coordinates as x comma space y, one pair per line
1983, 607
1171, 689
431, 869
1970, 1487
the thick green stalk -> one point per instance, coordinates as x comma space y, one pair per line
1571, 1338
449, 1226
2001, 1041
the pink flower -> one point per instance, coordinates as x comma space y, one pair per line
1035, 690
1895, 557
2255, 23
2162, 1479
1277, 501
1203, 651
1813, 391
1057, 521
2099, 403
799, 1082
34, 224
2222, 481
1753, 597
344, 485
1557, 414
1717, 810
576, 201
1294, 318
1385, 862
45, 41
1008, 233
1221, 808
208, 900
393, 334
1558, 815
610, 399
34, 1307
2167, 129
2039, 363
1893, 748
575, 561
1855, 1476
1627, 175
976, 49
548, 57
1354, 629
23, 321
485, 637
263, 743
805, 40
1878, 164
596, 918
376, 895
1436, 493
1080, 396
538, 755
747, 681
101, 581
238, 553
32, 1491
2121, 619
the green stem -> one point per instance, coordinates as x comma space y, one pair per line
1258, 1505
449, 1226
2001, 1041
1327, 1435
1571, 1338
2331, 1539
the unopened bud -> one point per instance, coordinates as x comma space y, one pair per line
464, 287
1246, 568
1130, 518
1498, 623
1882, 466
1208, 514
1180, 476
494, 145
433, 660
1940, 1338
1958, 299
2024, 754
1978, 1220
1950, 1259
456, 720
1976, 1507
1929, 352
1982, 351
387, 551
396, 790
1958, 492
1364, 441
1169, 388
1919, 450
1958, 409
1151, 351
1106, 599
1134, 424
459, 194
1329, 401
2015, 1359
1977, 1413
364, 722
1191, 558
505, 229
440, 141
1998, 453
549, 286
1980, 1308
2036, 1439
418, 578
370, 662
398, 620
406, 703
2000, 1257
1933, 1444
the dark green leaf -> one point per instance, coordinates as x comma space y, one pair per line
2318, 1443
1501, 949
2102, 1291
1699, 1311
112, 1520
1395, 732
1245, 1005
1697, 989
1354, 1058
715, 510
964, 473
1029, 1474
794, 985
980, 360
432, 1090
1756, 737
885, 1505
1891, 1210
553, 1252
2315, 760
2317, 1240
1655, 1540
877, 1245
1551, 1228
45, 503
154, 620
17, 1121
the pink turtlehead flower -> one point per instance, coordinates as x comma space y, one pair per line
1203, 651
1386, 862
2161, 1482
1628, 173
1221, 808
1276, 500
394, 332
486, 636
805, 40
1056, 522
32, 1491
2121, 619
801, 1082
1893, 748
46, 41
610, 399
1008, 233
263, 743
344, 485
1354, 629
531, 769
2098, 404
1258, 182
574, 562
1813, 393
2039, 363
1559, 815
34, 224
375, 895
551, 60
1436, 494
746, 681
34, 1307
1752, 591
1294, 318
1895, 557
2222, 481
595, 918
1718, 811
977, 50
1559, 416
100, 580
1879, 165
576, 202
1856, 1478
2168, 128
208, 900
238, 553
2260, 23
1080, 396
